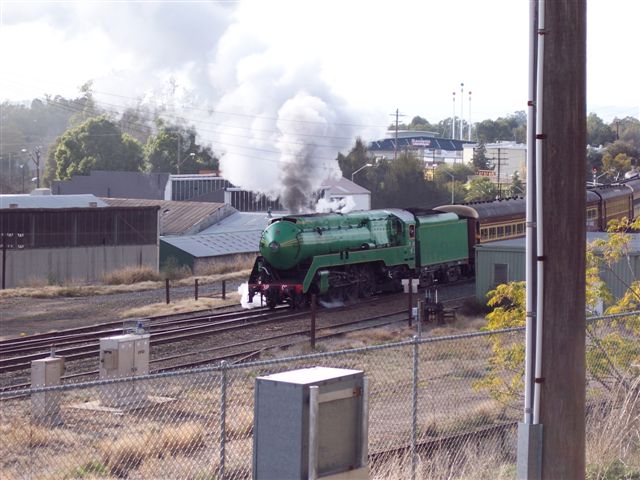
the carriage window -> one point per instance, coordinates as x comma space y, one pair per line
500, 232
520, 228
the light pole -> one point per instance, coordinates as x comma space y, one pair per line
180, 162
453, 184
361, 168
22, 170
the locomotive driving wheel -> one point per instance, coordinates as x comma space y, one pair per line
453, 274
366, 281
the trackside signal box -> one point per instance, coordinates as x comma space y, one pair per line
311, 423
46, 372
123, 356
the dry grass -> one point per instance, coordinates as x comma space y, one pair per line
181, 306
470, 462
183, 439
236, 263
131, 275
35, 436
130, 452
613, 435
92, 290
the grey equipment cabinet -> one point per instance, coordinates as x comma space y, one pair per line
311, 423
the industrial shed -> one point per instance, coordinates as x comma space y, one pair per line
179, 218
237, 234
504, 261
72, 238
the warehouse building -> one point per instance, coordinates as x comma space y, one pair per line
72, 238
236, 235
179, 218
206, 187
504, 261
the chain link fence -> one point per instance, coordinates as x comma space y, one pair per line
434, 403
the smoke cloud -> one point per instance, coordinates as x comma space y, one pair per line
287, 126
254, 89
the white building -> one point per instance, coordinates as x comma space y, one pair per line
424, 144
505, 159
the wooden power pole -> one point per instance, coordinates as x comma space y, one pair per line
561, 144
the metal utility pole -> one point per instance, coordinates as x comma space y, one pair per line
555, 442
469, 137
461, 111
453, 118
499, 184
395, 146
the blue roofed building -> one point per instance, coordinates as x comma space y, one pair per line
425, 145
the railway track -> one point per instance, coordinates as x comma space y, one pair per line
78, 345
81, 343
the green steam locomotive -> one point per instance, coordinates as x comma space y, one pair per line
342, 256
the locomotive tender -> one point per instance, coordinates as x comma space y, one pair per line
340, 256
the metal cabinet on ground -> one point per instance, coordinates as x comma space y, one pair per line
311, 423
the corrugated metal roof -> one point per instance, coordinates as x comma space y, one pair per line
115, 184
387, 144
176, 218
217, 244
519, 243
343, 186
50, 201
240, 222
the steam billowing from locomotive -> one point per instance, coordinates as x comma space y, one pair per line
254, 91
284, 137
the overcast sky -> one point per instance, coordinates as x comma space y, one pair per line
369, 57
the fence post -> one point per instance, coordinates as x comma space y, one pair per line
166, 290
410, 298
223, 417
196, 289
313, 322
419, 317
224, 289
414, 409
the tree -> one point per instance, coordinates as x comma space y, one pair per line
96, 144
446, 184
594, 160
85, 106
480, 160
517, 188
614, 346
616, 166
401, 183
357, 157
481, 189
628, 130
598, 133
513, 127
174, 150
620, 146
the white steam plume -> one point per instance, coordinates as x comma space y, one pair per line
253, 88
343, 205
